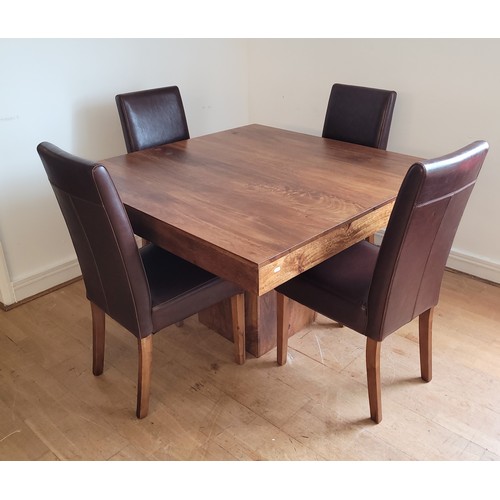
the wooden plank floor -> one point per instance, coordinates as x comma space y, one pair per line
205, 407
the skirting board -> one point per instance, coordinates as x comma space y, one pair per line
470, 264
40, 282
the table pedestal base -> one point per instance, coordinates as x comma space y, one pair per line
260, 320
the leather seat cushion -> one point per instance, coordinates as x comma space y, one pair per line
179, 288
338, 288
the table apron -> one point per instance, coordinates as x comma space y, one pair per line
259, 279
297, 261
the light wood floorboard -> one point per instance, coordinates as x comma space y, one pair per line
205, 407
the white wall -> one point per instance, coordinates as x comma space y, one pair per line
63, 91
448, 96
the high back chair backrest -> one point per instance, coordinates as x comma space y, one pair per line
104, 242
418, 238
360, 115
150, 118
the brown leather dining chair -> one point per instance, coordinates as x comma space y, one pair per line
376, 290
360, 115
144, 290
153, 117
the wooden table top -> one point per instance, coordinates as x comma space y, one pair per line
258, 205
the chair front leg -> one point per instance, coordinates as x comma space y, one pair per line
425, 343
144, 375
373, 375
238, 323
98, 338
283, 322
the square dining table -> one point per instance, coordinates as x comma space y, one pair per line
258, 205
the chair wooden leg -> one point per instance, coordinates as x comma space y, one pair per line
144, 378
98, 337
373, 375
283, 322
238, 322
425, 344
371, 239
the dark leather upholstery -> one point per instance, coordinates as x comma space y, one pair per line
152, 117
145, 289
376, 291
360, 115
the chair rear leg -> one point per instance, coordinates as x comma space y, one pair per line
425, 344
283, 315
98, 338
144, 375
238, 323
373, 376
